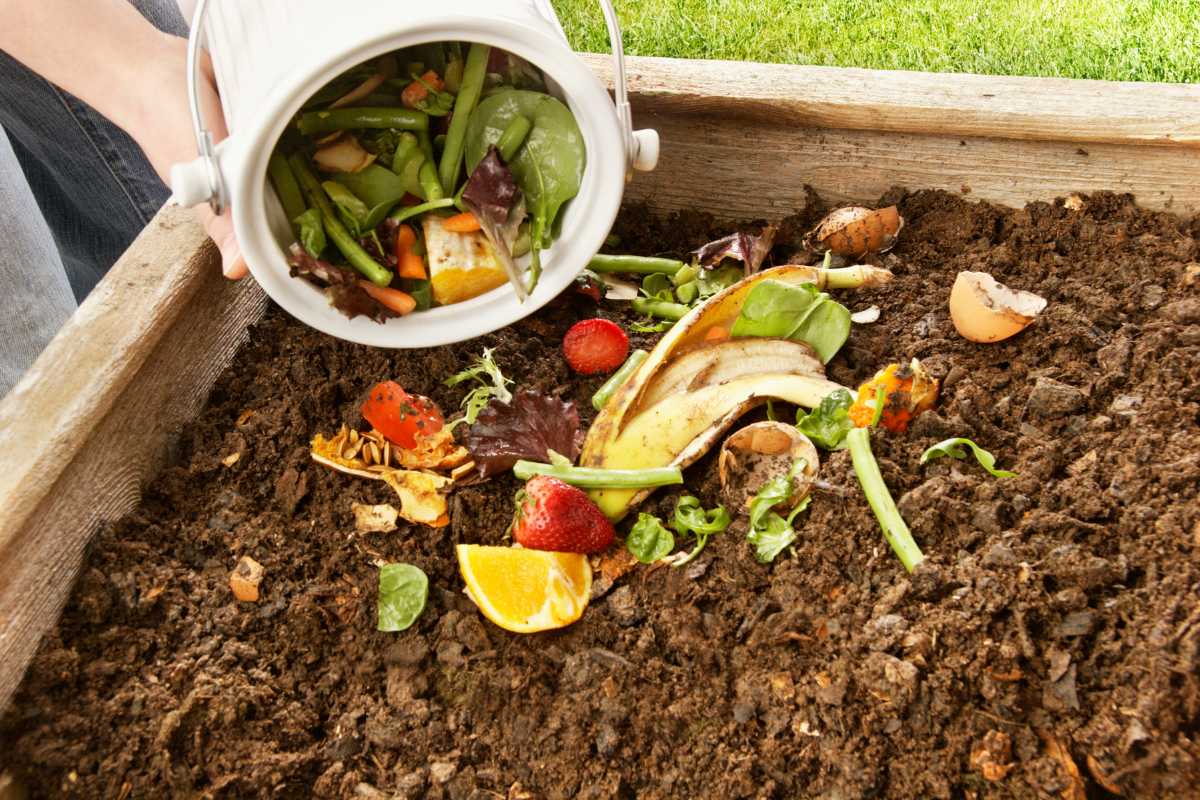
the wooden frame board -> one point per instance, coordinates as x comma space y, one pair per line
93, 420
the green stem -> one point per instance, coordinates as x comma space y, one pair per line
408, 212
426, 144
600, 398
639, 265
343, 119
357, 257
286, 188
659, 308
513, 137
858, 276
472, 85
430, 185
594, 478
894, 528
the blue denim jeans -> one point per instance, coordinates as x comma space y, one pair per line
74, 192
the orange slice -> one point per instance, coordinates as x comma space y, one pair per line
524, 591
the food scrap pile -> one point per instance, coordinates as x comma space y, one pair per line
685, 495
417, 179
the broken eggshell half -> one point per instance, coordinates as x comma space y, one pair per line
759, 452
984, 310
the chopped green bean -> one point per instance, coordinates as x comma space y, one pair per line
513, 137
472, 85
343, 119
639, 265
286, 188
659, 308
358, 258
602, 395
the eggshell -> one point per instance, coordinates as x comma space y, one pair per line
984, 310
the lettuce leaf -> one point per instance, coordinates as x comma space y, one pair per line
777, 310
528, 427
748, 248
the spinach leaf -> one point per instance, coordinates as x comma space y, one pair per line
649, 540
352, 211
375, 185
549, 166
769, 532
692, 519
312, 231
778, 310
954, 449
827, 424
403, 590
774, 534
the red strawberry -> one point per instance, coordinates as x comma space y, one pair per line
552, 515
595, 345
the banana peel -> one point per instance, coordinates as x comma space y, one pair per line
719, 311
724, 361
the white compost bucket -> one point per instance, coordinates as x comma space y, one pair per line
270, 56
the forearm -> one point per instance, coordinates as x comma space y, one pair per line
97, 50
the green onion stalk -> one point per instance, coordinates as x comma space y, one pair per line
880, 499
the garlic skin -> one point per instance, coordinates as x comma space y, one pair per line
985, 311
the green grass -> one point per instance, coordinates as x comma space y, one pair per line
1131, 40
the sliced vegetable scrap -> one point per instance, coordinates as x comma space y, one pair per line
371, 453
525, 591
422, 495
896, 395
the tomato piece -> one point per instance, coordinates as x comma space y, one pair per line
401, 417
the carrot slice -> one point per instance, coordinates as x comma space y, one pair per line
716, 334
392, 299
415, 92
411, 265
461, 223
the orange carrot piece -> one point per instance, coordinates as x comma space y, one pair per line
461, 223
415, 92
392, 299
411, 265
716, 334
406, 237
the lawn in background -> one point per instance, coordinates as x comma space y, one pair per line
1130, 40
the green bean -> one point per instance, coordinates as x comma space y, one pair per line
286, 188
468, 96
640, 265
597, 478
359, 258
659, 308
685, 275
426, 146
513, 137
687, 292
408, 212
602, 395
430, 185
342, 119
405, 149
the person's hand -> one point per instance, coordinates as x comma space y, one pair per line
162, 127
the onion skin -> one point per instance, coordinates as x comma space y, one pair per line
854, 231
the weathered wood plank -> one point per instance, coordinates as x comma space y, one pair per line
92, 420
756, 169
1050, 109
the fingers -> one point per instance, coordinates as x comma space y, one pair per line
220, 230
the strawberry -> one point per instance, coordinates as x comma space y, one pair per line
552, 515
595, 345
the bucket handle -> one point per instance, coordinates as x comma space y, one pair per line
641, 148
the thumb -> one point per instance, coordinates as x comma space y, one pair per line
220, 230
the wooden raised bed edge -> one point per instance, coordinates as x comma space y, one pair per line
94, 419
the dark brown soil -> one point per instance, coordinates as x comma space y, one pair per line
1056, 625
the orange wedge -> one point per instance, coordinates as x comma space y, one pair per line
525, 591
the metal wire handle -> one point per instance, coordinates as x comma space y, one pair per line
219, 198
